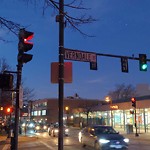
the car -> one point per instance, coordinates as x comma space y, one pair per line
102, 137
40, 128
53, 130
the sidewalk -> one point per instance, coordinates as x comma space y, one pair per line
141, 134
5, 142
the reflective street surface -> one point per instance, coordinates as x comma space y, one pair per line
46, 142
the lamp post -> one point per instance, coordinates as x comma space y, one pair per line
109, 100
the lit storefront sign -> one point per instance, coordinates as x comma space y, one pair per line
114, 107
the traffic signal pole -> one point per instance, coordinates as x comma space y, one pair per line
17, 109
136, 134
61, 73
24, 45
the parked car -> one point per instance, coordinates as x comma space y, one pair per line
53, 130
102, 137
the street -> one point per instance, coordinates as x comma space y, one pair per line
46, 142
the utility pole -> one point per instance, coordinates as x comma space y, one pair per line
61, 72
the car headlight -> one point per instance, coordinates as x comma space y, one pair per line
79, 136
44, 127
126, 140
37, 127
31, 125
56, 130
66, 130
103, 141
23, 125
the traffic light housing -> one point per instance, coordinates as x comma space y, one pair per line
6, 81
133, 100
124, 64
142, 62
25, 45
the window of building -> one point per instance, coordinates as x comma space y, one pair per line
39, 113
35, 113
43, 112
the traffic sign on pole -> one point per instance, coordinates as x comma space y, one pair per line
78, 55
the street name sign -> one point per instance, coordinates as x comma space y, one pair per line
78, 55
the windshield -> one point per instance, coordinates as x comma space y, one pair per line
105, 130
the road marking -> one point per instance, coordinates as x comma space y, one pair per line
50, 147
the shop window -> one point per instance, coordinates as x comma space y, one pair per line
43, 112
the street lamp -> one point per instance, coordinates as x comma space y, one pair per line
67, 112
109, 100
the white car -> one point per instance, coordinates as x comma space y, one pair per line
53, 130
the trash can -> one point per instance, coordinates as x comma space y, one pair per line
129, 128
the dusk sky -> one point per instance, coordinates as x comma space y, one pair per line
122, 28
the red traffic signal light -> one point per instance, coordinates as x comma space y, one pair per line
133, 100
9, 110
24, 44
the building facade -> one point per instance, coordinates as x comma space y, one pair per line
81, 112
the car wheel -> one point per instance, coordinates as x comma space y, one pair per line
53, 134
49, 133
97, 146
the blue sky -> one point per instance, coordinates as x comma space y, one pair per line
123, 28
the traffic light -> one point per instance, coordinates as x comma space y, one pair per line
124, 64
133, 100
142, 62
6, 81
25, 45
9, 110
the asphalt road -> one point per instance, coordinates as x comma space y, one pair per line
46, 142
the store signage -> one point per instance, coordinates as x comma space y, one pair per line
114, 107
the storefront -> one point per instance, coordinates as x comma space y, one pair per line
120, 117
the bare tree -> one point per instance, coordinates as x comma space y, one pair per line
122, 91
70, 20
28, 94
4, 65
87, 107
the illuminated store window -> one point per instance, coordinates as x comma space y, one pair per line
43, 112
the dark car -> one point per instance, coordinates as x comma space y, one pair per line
102, 138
